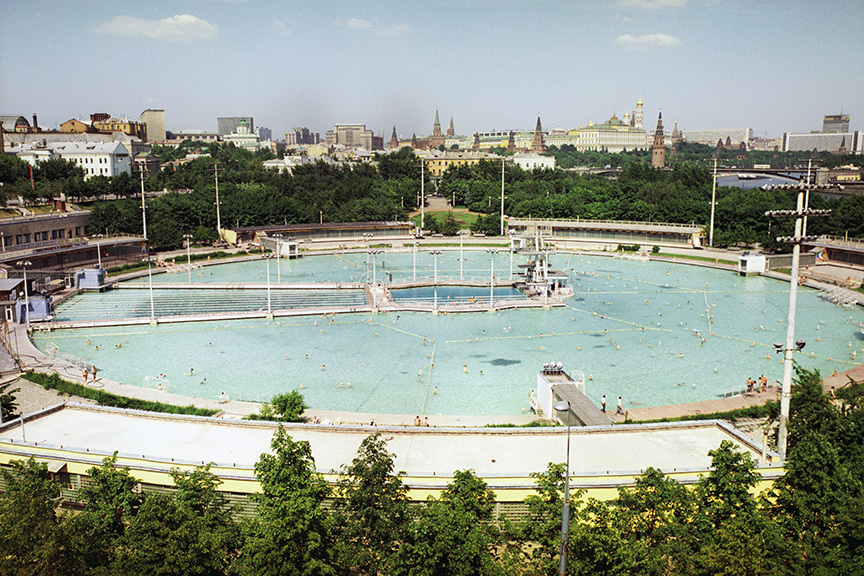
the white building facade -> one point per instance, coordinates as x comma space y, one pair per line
96, 159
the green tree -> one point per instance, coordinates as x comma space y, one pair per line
289, 406
189, 532
453, 535
8, 402
290, 532
110, 503
370, 511
449, 226
34, 538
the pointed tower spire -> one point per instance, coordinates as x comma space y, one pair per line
658, 148
451, 131
436, 140
538, 144
394, 140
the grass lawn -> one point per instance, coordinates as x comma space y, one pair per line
465, 219
700, 258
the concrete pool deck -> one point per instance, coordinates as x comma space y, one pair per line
73, 438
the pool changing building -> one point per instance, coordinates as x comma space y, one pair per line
72, 438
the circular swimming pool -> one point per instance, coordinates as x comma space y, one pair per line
654, 333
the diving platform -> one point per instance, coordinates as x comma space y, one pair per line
554, 385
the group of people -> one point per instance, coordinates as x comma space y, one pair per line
425, 421
85, 374
759, 386
619, 409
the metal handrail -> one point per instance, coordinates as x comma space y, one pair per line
529, 221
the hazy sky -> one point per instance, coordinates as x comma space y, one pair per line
773, 66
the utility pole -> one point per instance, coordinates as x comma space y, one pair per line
218, 216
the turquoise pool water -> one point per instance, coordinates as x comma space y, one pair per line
635, 329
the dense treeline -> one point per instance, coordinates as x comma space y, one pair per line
251, 195
810, 522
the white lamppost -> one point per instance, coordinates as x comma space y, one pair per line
461, 258
415, 259
24, 264
492, 252
713, 196
143, 206
188, 238
502, 196
374, 254
278, 258
150, 280
267, 257
422, 198
98, 249
561, 406
218, 214
801, 212
435, 254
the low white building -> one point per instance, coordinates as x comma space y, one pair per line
95, 158
532, 161
288, 163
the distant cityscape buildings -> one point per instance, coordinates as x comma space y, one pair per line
711, 136
301, 136
834, 137
228, 125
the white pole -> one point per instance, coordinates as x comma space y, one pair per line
415, 259
422, 198
218, 215
269, 310
435, 305
150, 279
99, 253
713, 196
786, 390
461, 258
807, 198
143, 206
502, 196
188, 256
491, 280
26, 299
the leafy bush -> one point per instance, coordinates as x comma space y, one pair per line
54, 382
284, 407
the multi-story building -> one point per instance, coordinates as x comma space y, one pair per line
835, 123
228, 125
853, 142
95, 158
124, 125
301, 136
243, 137
264, 134
355, 135
437, 164
710, 136
532, 161
155, 122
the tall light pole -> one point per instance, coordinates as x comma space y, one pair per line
492, 252
98, 249
415, 258
218, 214
188, 238
150, 280
461, 257
435, 253
561, 406
143, 206
278, 258
374, 277
422, 198
502, 196
267, 257
713, 196
801, 211
24, 264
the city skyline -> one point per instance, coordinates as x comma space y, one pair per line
492, 65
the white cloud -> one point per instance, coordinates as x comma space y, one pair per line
651, 4
355, 23
389, 31
179, 28
380, 31
648, 41
280, 27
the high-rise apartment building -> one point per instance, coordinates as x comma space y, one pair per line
155, 122
301, 136
350, 135
835, 123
